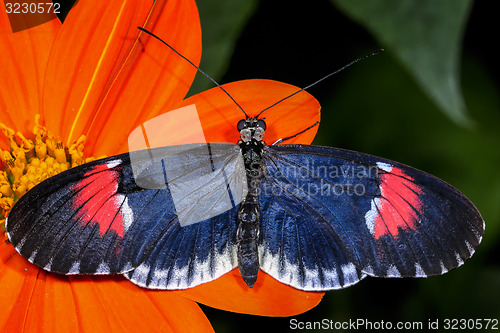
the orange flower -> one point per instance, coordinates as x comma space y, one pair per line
93, 80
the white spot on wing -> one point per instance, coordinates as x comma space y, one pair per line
48, 266
160, 275
112, 164
393, 272
350, 273
419, 272
32, 257
384, 166
127, 213
103, 268
333, 276
75, 269
128, 267
470, 248
142, 272
368, 270
371, 215
460, 262
7, 230
480, 236
443, 269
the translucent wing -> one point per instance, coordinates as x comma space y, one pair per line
94, 219
331, 216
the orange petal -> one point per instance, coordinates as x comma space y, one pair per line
126, 305
34, 300
182, 314
22, 68
104, 73
17, 279
219, 114
51, 307
159, 81
96, 39
268, 297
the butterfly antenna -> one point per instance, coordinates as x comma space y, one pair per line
197, 68
297, 134
323, 78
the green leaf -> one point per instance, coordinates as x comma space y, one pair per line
426, 36
221, 22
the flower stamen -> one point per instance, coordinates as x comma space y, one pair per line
30, 161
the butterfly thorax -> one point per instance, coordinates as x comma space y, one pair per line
251, 145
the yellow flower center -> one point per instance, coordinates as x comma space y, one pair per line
29, 161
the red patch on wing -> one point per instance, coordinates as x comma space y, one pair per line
398, 204
97, 202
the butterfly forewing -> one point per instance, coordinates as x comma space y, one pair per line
332, 215
74, 221
94, 219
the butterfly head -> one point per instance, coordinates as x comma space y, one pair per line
251, 128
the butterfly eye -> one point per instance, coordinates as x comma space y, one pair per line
245, 135
262, 124
241, 125
258, 134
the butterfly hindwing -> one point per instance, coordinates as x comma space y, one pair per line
187, 256
307, 231
331, 216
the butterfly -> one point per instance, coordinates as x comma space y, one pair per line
312, 217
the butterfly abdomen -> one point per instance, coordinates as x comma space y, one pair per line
247, 238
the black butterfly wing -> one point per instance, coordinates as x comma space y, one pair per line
52, 228
331, 216
95, 219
